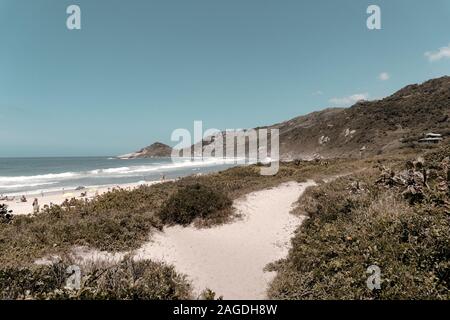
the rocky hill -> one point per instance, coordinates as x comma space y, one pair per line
366, 128
371, 127
155, 150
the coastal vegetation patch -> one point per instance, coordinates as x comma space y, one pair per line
126, 280
394, 217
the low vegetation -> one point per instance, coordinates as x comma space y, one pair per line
127, 280
396, 220
195, 202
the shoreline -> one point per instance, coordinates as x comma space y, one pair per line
58, 197
131, 173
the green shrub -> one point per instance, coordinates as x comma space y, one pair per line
127, 280
191, 202
20, 283
350, 230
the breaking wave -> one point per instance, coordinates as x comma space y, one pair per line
128, 171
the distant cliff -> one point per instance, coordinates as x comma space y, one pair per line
156, 150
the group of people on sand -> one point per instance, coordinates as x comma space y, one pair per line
12, 198
35, 203
6, 198
22, 199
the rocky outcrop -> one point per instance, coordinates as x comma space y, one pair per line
156, 150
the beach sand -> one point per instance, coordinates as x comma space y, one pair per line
228, 259
21, 208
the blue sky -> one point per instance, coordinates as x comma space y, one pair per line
137, 70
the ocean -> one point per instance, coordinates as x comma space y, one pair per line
29, 176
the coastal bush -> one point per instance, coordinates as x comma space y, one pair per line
127, 280
193, 202
353, 224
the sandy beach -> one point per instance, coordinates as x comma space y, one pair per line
228, 259
21, 208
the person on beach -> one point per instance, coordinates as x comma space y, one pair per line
35, 206
23, 199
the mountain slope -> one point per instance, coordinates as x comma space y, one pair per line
375, 126
366, 128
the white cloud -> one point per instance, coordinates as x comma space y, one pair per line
442, 53
346, 101
318, 93
384, 76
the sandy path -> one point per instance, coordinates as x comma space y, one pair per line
230, 259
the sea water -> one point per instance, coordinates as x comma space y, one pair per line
36, 175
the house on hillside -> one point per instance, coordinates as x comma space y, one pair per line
431, 138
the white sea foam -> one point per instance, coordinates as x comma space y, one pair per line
42, 177
129, 171
15, 186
